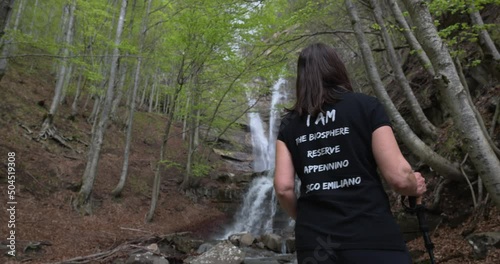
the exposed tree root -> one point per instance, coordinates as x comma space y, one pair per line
437, 193
52, 133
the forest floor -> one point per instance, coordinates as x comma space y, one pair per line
48, 230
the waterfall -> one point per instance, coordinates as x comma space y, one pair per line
259, 203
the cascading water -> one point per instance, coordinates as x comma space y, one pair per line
259, 203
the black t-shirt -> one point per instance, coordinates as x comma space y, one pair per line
342, 203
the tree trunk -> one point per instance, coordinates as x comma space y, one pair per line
74, 105
410, 38
191, 118
185, 121
458, 66
47, 129
6, 7
123, 177
474, 140
67, 81
33, 18
159, 163
143, 96
20, 8
82, 203
119, 88
484, 36
415, 144
152, 94
415, 109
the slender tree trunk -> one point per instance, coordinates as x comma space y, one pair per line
33, 18
119, 88
157, 99
143, 96
410, 38
415, 144
95, 109
185, 121
484, 36
475, 141
6, 7
74, 105
67, 82
47, 129
151, 95
82, 203
416, 110
123, 177
20, 9
191, 132
479, 118
158, 168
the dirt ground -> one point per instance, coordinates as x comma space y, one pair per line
48, 230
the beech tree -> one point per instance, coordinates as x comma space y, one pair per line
82, 202
131, 104
6, 7
408, 137
47, 129
410, 38
475, 142
484, 36
416, 110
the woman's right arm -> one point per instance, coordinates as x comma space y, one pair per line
393, 166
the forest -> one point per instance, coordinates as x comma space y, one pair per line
114, 113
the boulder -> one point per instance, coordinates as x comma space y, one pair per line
185, 244
242, 239
247, 240
272, 241
146, 258
290, 244
222, 253
482, 242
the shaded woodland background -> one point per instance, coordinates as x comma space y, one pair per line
140, 92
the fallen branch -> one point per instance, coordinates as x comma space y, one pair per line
137, 230
26, 128
132, 245
96, 256
37, 181
473, 194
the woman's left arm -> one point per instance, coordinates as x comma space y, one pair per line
284, 179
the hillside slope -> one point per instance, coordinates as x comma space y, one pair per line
48, 174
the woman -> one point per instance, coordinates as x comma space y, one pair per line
335, 140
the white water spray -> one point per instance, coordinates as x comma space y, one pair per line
259, 203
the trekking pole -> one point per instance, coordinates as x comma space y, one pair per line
419, 210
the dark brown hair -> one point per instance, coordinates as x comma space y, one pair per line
321, 79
